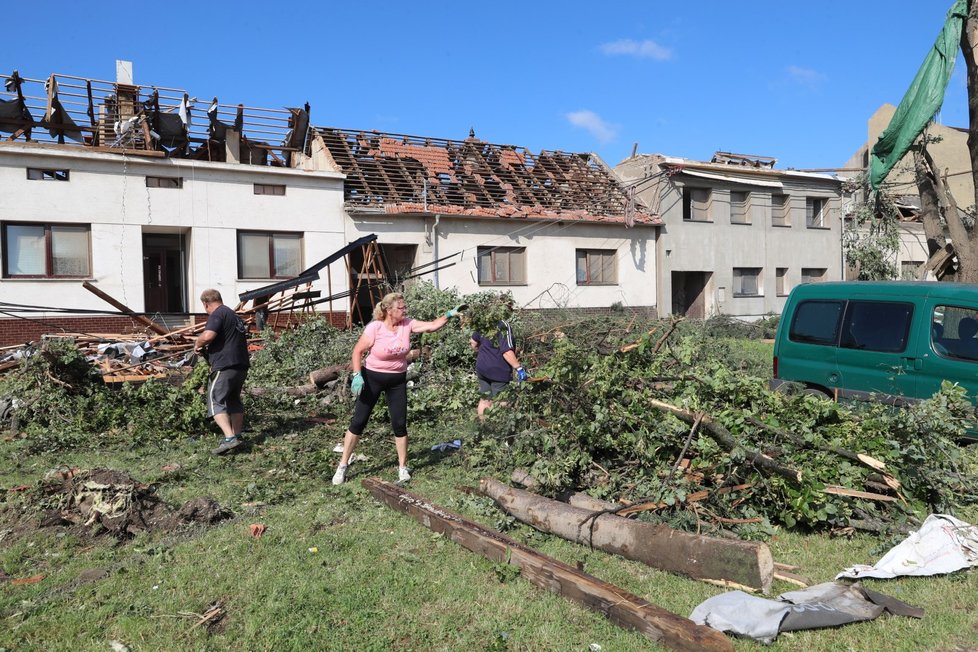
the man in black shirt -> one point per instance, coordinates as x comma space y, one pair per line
226, 339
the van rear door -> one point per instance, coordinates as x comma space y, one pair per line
951, 352
875, 359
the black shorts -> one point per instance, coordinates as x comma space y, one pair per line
491, 388
224, 391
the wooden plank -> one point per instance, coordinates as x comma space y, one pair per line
855, 493
145, 321
619, 606
745, 563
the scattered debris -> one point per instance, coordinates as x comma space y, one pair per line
257, 530
824, 605
943, 544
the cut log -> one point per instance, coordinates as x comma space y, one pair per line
619, 606
741, 562
320, 377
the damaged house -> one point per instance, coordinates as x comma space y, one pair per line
738, 234
150, 195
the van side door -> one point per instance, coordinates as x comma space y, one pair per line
807, 344
951, 352
875, 360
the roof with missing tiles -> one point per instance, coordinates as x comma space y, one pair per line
401, 174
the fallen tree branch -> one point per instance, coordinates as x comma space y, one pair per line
725, 438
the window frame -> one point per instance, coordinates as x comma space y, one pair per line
781, 214
492, 253
781, 288
48, 174
170, 183
737, 284
807, 277
691, 213
821, 214
49, 259
587, 255
745, 207
270, 189
271, 263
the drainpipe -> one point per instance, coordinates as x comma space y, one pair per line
434, 238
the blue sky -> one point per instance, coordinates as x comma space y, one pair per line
793, 80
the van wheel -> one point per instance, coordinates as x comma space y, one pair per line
814, 391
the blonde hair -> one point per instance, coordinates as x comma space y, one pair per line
385, 304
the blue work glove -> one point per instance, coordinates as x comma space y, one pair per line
462, 307
356, 385
521, 374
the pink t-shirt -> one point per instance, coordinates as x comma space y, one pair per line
390, 348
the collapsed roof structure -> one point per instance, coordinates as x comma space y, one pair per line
396, 173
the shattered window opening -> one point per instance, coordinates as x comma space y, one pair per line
38, 174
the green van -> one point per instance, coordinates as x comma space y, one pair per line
891, 341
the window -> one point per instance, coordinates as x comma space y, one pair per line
953, 330
269, 255
597, 267
877, 326
816, 322
46, 251
502, 265
812, 274
780, 210
781, 276
37, 174
746, 281
739, 207
164, 182
269, 189
696, 204
908, 269
815, 212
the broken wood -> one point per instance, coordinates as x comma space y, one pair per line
145, 321
853, 493
659, 546
320, 377
619, 606
725, 438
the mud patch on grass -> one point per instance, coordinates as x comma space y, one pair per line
99, 503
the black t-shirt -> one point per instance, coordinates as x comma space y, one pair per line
230, 347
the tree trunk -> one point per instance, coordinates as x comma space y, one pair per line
742, 562
619, 606
968, 264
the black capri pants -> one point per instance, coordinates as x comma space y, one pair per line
394, 386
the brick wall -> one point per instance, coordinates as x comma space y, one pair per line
15, 331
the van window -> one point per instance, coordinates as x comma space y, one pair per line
816, 322
877, 326
953, 331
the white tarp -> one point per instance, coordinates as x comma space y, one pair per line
943, 544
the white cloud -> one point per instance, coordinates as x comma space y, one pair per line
641, 49
806, 76
593, 123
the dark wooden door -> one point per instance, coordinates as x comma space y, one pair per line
163, 273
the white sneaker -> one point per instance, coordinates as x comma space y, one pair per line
338, 448
340, 476
403, 474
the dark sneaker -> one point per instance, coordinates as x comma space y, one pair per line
227, 445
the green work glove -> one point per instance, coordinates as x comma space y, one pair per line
462, 307
356, 385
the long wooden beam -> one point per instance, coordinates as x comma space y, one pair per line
145, 321
619, 606
745, 563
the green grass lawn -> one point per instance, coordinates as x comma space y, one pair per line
336, 570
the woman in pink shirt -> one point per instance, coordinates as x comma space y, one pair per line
388, 340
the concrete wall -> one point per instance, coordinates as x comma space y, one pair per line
108, 192
550, 256
718, 246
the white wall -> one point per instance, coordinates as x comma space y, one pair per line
550, 247
108, 191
